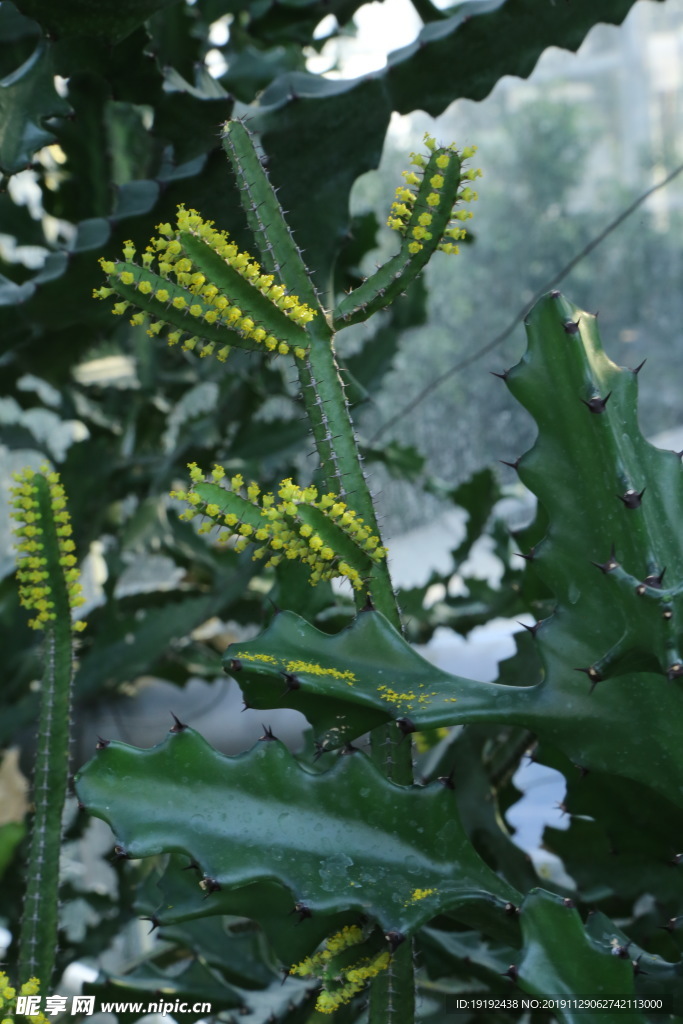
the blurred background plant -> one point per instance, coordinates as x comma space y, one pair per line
110, 118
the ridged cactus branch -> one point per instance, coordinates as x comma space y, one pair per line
424, 214
322, 533
397, 868
49, 588
322, 389
265, 217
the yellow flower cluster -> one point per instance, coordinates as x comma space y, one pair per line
353, 978
351, 935
318, 670
8, 1000
203, 302
281, 533
35, 589
402, 208
419, 894
408, 701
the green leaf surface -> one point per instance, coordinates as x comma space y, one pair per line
403, 461
655, 977
559, 959
400, 859
622, 838
110, 20
176, 899
11, 834
127, 645
27, 99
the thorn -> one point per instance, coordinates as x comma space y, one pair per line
512, 465
583, 771
530, 629
555, 294
394, 939
121, 853
447, 780
676, 859
638, 368
101, 744
571, 326
502, 376
567, 902
267, 733
592, 674
597, 405
302, 910
368, 606
155, 922
527, 558
675, 671
234, 665
347, 749
511, 910
512, 973
209, 885
619, 950
667, 614
192, 866
670, 925
632, 499
610, 564
177, 726
655, 581
291, 683
562, 808
406, 726
637, 969
319, 751
80, 806
246, 706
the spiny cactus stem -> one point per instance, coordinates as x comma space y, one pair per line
275, 241
48, 588
321, 388
38, 941
392, 993
330, 418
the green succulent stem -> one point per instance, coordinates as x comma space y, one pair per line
322, 391
392, 993
279, 252
48, 586
39, 925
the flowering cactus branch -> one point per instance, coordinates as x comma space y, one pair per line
195, 284
49, 587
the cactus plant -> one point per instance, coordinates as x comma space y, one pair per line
360, 838
49, 587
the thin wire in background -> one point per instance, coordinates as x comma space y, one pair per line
524, 311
